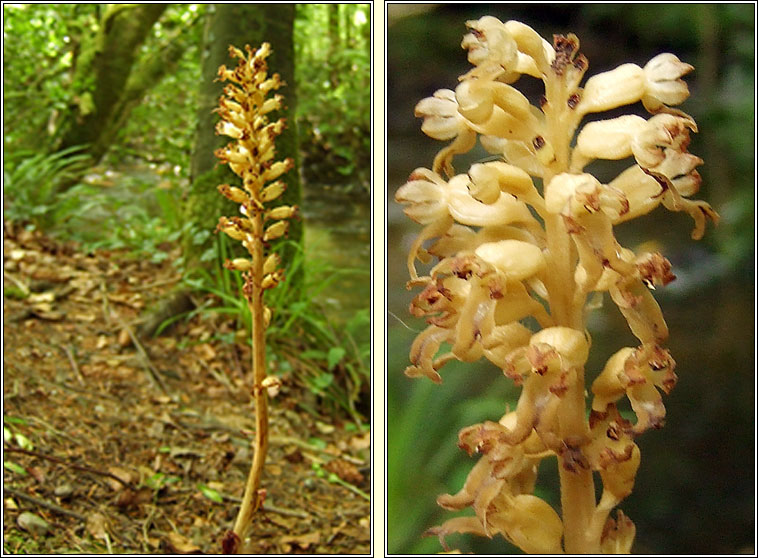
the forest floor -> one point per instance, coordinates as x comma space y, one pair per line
124, 445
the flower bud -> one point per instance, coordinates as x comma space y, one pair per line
275, 231
274, 103
277, 169
282, 212
622, 86
273, 191
272, 384
266, 316
570, 343
234, 194
229, 228
606, 139
517, 260
271, 263
239, 264
269, 282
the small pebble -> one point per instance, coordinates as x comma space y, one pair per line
63, 491
33, 523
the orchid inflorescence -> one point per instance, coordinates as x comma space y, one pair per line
243, 110
528, 239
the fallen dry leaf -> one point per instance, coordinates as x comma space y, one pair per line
97, 525
124, 475
303, 541
345, 470
360, 442
181, 544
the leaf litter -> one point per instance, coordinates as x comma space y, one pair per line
145, 451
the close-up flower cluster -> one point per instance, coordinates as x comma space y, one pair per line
515, 249
243, 110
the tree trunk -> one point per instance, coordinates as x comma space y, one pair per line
238, 24
106, 89
334, 41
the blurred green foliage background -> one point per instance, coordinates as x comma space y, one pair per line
695, 490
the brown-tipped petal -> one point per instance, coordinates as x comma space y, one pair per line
272, 191
474, 481
642, 192
609, 386
277, 169
440, 113
662, 83
457, 525
425, 197
618, 535
641, 310
275, 103
275, 231
423, 349
234, 194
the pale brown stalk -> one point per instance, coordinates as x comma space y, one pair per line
243, 109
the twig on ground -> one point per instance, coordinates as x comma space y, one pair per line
154, 375
148, 286
42, 503
51, 428
72, 360
22, 287
67, 464
106, 306
96, 394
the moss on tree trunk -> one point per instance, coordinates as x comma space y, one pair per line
103, 76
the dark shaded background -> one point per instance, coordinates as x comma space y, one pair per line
695, 490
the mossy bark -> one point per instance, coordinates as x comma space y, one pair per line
106, 84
